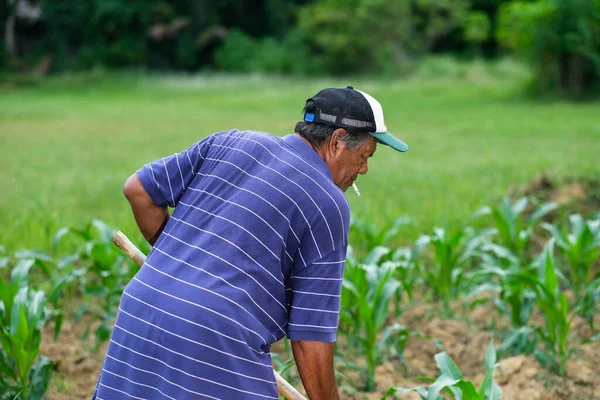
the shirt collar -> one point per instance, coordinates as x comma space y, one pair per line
308, 153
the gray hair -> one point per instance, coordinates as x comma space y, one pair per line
316, 134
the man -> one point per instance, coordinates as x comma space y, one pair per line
254, 250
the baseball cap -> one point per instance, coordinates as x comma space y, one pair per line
354, 110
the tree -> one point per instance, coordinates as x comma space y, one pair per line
561, 40
477, 29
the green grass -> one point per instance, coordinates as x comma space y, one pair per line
68, 144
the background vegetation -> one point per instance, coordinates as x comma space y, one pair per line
560, 39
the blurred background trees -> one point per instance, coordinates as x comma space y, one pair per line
560, 39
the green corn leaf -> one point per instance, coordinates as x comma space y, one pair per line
564, 306
20, 273
33, 254
39, 377
105, 232
36, 310
541, 211
444, 381
468, 390
447, 366
489, 388
392, 231
519, 206
557, 234
375, 255
577, 223
66, 230
58, 320
490, 356
419, 389
551, 281
485, 210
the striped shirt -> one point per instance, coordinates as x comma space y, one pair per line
254, 250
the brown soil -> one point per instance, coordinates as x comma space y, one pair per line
77, 364
520, 377
574, 195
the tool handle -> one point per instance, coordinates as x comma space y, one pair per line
129, 248
123, 242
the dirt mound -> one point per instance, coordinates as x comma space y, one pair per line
575, 195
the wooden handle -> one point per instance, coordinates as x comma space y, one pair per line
123, 242
129, 248
287, 390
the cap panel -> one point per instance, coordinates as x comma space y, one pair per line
377, 112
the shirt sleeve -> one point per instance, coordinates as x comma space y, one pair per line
315, 300
166, 179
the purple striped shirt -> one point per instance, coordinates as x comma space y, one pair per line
254, 250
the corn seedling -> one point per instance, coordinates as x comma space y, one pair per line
372, 235
453, 384
555, 310
451, 252
590, 302
514, 227
23, 314
366, 294
580, 248
107, 272
514, 298
553, 305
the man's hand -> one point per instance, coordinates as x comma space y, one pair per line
315, 365
150, 218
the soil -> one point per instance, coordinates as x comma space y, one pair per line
573, 194
78, 363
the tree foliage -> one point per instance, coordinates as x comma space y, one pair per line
561, 39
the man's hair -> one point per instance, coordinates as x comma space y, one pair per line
316, 134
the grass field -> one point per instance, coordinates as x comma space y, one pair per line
68, 144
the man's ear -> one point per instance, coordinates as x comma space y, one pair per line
335, 145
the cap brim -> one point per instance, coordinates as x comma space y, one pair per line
390, 140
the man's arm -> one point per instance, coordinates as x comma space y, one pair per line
150, 217
315, 365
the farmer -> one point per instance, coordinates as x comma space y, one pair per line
254, 251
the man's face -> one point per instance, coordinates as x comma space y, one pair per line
346, 164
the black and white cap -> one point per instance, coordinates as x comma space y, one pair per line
351, 109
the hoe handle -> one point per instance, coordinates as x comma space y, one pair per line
123, 242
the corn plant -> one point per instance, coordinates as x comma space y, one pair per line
541, 279
555, 310
514, 298
515, 229
590, 302
580, 247
452, 382
23, 313
451, 252
403, 260
366, 293
106, 273
372, 235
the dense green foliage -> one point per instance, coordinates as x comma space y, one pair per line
560, 39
